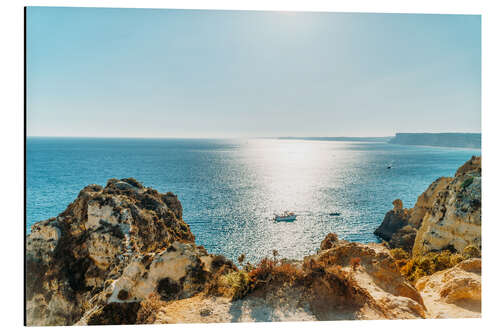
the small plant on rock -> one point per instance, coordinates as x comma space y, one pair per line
471, 251
355, 262
275, 255
241, 258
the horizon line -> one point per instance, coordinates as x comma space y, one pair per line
238, 137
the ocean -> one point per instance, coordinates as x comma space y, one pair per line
230, 189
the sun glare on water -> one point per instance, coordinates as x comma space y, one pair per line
292, 175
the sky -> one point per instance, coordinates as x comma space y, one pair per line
97, 72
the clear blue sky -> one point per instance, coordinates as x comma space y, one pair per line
172, 73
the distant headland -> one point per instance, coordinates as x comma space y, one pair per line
454, 140
337, 138
458, 140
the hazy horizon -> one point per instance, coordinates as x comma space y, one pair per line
158, 73
241, 137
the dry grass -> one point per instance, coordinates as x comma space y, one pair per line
149, 308
262, 272
399, 254
227, 280
274, 271
234, 285
355, 262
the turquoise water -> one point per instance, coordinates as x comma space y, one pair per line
230, 189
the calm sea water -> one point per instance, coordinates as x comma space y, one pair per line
230, 189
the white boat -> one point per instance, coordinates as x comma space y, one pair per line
285, 217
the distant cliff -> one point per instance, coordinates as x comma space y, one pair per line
459, 140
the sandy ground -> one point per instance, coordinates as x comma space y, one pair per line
209, 309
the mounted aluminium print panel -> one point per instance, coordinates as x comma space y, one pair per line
211, 166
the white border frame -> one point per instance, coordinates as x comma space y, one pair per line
13, 153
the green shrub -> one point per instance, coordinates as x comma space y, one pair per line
399, 254
235, 284
427, 264
471, 251
467, 182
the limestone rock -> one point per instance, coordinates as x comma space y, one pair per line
454, 221
404, 238
455, 292
472, 165
447, 215
394, 220
70, 258
360, 281
426, 201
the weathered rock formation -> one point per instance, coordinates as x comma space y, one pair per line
446, 216
453, 293
370, 283
395, 227
73, 257
454, 221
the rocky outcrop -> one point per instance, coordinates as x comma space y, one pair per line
454, 220
72, 258
359, 281
453, 293
442, 228
180, 271
446, 216
395, 227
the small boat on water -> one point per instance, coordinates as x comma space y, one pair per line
285, 217
334, 214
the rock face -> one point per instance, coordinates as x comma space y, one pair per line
71, 258
455, 292
396, 229
454, 220
359, 281
446, 216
